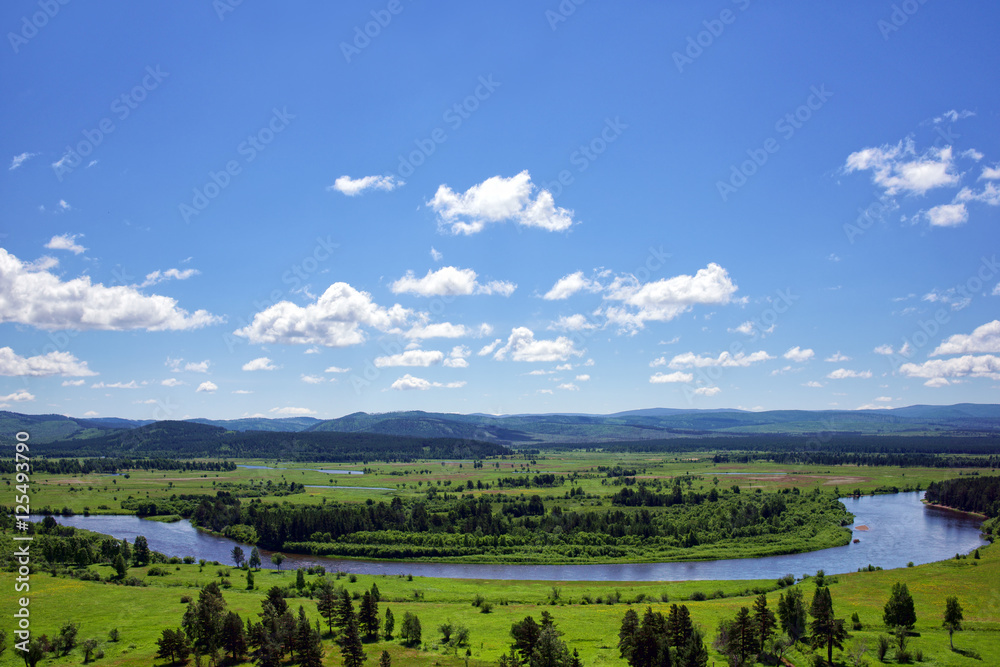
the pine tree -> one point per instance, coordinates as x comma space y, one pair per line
693, 653
626, 635
300, 579
234, 638
121, 569
825, 629
792, 614
384, 660
326, 603
899, 611
254, 561
237, 555
764, 621
368, 616
390, 623
350, 644
952, 618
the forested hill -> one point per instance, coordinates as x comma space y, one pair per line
970, 494
177, 439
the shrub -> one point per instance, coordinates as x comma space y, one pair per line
185, 599
157, 571
698, 596
856, 621
717, 595
485, 608
664, 597
353, 578
882, 644
478, 600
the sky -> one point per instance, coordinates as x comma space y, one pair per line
226, 209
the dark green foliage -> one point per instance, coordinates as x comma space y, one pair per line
384, 660
233, 637
254, 561
368, 616
173, 645
141, 553
952, 618
390, 623
203, 620
899, 610
826, 630
971, 494
410, 630
763, 620
326, 602
525, 634
238, 556
792, 614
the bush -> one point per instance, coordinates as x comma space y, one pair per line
664, 598
157, 571
185, 599
856, 621
787, 580
485, 608
903, 657
918, 655
114, 635
882, 645
353, 578
478, 600
698, 596
717, 595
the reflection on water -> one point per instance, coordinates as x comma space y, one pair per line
900, 529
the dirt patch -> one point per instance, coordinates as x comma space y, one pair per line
861, 528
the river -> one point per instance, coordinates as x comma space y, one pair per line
900, 529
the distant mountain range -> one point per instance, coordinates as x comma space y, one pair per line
964, 419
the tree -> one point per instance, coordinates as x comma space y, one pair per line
693, 653
121, 569
278, 559
679, 626
899, 611
326, 603
67, 636
410, 629
626, 635
525, 634
368, 616
249, 580
234, 637
238, 555
254, 561
826, 630
792, 614
203, 619
952, 618
390, 623
88, 647
309, 643
549, 650
384, 660
173, 645
650, 646
3, 642
764, 621
350, 644
141, 555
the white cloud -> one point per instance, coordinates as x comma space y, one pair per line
66, 242
408, 382
312, 379
883, 399
575, 322
336, 369
746, 328
990, 173
438, 330
990, 195
569, 285
884, 349
522, 346
197, 367
813, 384
18, 160
947, 215
207, 386
292, 412
665, 299
498, 199
53, 363
987, 365
954, 115
436, 255
333, 320
984, 338
173, 382
707, 391
668, 378
312, 350
450, 281
539, 372
899, 169
724, 360
937, 382
843, 373
410, 358
73, 383
564, 367
950, 296
568, 386
543, 391
837, 357
260, 364
170, 274
39, 298
488, 349
799, 355
583, 378
457, 357
355, 186
242, 391
19, 396
132, 384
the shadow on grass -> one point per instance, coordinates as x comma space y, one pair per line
968, 653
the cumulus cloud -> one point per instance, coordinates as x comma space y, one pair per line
812, 384
260, 364
20, 396
457, 357
843, 373
409, 382
499, 199
665, 299
575, 322
66, 242
438, 330
207, 386
937, 382
292, 412
799, 355
170, 274
707, 391
488, 349
335, 319
969, 365
336, 369
312, 379
900, 169
583, 378
990, 173
131, 384
522, 346
450, 281
410, 358
355, 186
724, 360
984, 338
947, 215
33, 296
671, 378
73, 383
568, 386
436, 255
18, 160
837, 357
569, 285
173, 382
53, 363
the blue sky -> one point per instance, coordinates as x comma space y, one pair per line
220, 211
